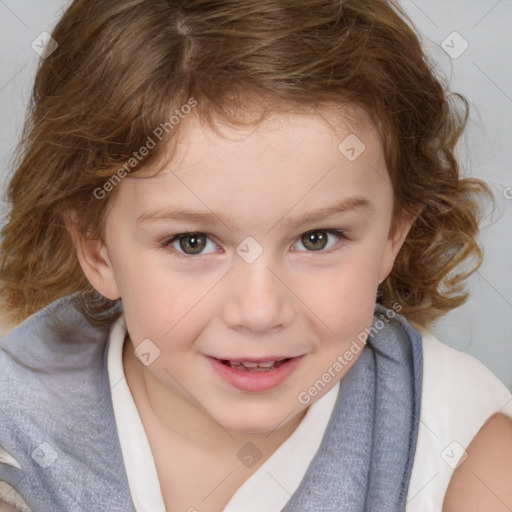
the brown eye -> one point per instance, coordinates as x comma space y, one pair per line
190, 244
314, 240
193, 243
321, 239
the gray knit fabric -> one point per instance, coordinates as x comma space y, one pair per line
57, 421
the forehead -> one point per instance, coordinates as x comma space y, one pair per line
257, 170
278, 132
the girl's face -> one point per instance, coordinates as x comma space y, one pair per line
254, 245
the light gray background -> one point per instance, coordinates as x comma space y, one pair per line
483, 73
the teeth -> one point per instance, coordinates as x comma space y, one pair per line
266, 365
249, 366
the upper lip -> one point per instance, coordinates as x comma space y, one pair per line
263, 359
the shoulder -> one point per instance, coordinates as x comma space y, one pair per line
457, 379
483, 482
459, 395
51, 354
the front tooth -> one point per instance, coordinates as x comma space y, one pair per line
267, 364
250, 365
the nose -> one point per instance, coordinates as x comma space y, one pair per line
259, 301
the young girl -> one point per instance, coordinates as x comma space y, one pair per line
225, 219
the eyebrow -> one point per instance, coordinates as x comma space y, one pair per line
344, 206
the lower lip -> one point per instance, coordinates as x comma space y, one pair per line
255, 381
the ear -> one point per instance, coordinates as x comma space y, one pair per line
94, 259
396, 238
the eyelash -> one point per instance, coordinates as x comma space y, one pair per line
166, 244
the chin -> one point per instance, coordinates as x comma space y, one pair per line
257, 421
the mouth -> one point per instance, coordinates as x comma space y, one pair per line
253, 366
255, 374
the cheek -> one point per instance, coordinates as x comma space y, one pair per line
342, 300
153, 295
344, 308
162, 314
169, 308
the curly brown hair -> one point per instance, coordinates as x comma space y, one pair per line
122, 66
